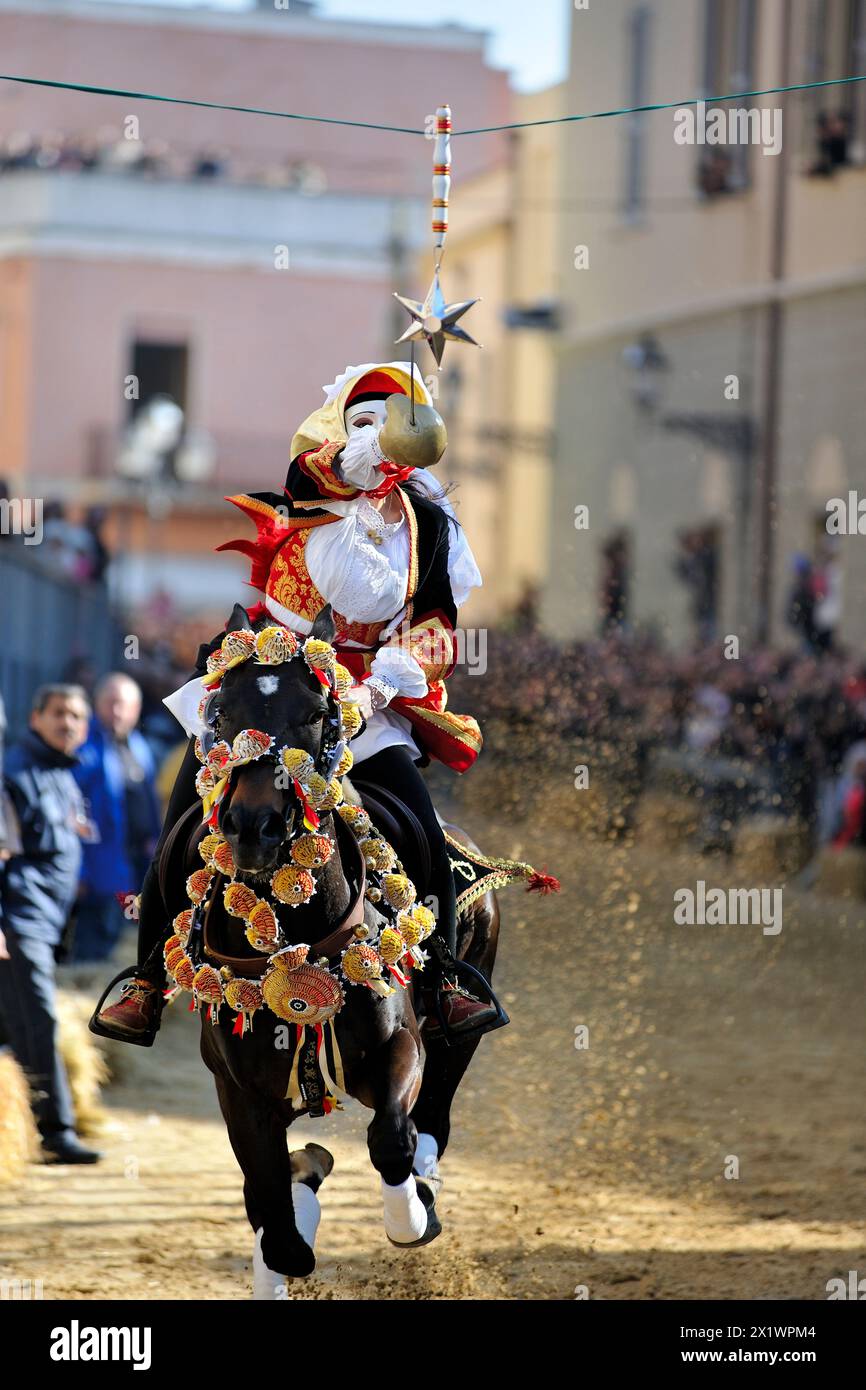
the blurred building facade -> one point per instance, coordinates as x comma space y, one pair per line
235, 263
680, 267
499, 402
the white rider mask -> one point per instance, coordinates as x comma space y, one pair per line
365, 413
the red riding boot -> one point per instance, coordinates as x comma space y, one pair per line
136, 1015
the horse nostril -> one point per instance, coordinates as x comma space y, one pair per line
228, 826
272, 828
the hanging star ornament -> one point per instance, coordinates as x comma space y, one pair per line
435, 321
432, 318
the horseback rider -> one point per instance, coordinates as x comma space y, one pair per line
363, 528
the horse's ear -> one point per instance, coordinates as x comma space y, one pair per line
240, 618
324, 627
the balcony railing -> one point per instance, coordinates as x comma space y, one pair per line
204, 222
241, 461
47, 623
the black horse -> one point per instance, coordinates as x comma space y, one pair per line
379, 1038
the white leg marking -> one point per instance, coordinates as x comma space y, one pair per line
426, 1163
268, 1286
308, 1211
405, 1213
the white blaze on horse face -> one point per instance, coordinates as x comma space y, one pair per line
268, 685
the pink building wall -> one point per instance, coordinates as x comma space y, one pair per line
89, 262
262, 342
291, 64
261, 347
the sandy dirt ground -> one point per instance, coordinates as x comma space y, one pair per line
599, 1169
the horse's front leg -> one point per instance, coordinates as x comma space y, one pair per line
257, 1133
392, 1136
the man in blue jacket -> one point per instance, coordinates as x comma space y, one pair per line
37, 889
116, 774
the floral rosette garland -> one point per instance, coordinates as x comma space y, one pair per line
293, 987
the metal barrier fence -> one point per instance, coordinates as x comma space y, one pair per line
45, 624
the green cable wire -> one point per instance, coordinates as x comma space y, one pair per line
662, 106
211, 105
410, 130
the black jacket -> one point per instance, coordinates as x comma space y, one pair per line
39, 885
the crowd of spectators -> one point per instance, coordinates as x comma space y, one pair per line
815, 596
111, 152
763, 731
72, 550
832, 139
79, 821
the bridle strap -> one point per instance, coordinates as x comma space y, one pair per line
352, 861
356, 869
330, 739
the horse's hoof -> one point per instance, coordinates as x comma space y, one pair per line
294, 1259
322, 1159
311, 1165
434, 1225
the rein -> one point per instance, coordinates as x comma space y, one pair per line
355, 871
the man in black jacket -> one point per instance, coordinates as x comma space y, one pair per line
37, 889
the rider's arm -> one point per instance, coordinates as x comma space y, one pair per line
341, 472
316, 474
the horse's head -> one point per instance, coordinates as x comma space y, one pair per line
287, 701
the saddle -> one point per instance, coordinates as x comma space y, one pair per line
400, 826
395, 820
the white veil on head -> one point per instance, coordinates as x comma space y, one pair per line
353, 374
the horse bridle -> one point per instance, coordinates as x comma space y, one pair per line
330, 752
331, 747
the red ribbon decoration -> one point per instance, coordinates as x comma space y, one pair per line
542, 883
310, 814
394, 473
321, 675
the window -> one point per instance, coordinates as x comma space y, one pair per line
638, 64
835, 130
728, 66
160, 370
697, 561
156, 422
615, 572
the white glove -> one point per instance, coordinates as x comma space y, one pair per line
360, 460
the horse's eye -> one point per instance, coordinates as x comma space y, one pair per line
316, 717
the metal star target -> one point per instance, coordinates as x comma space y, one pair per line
433, 319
